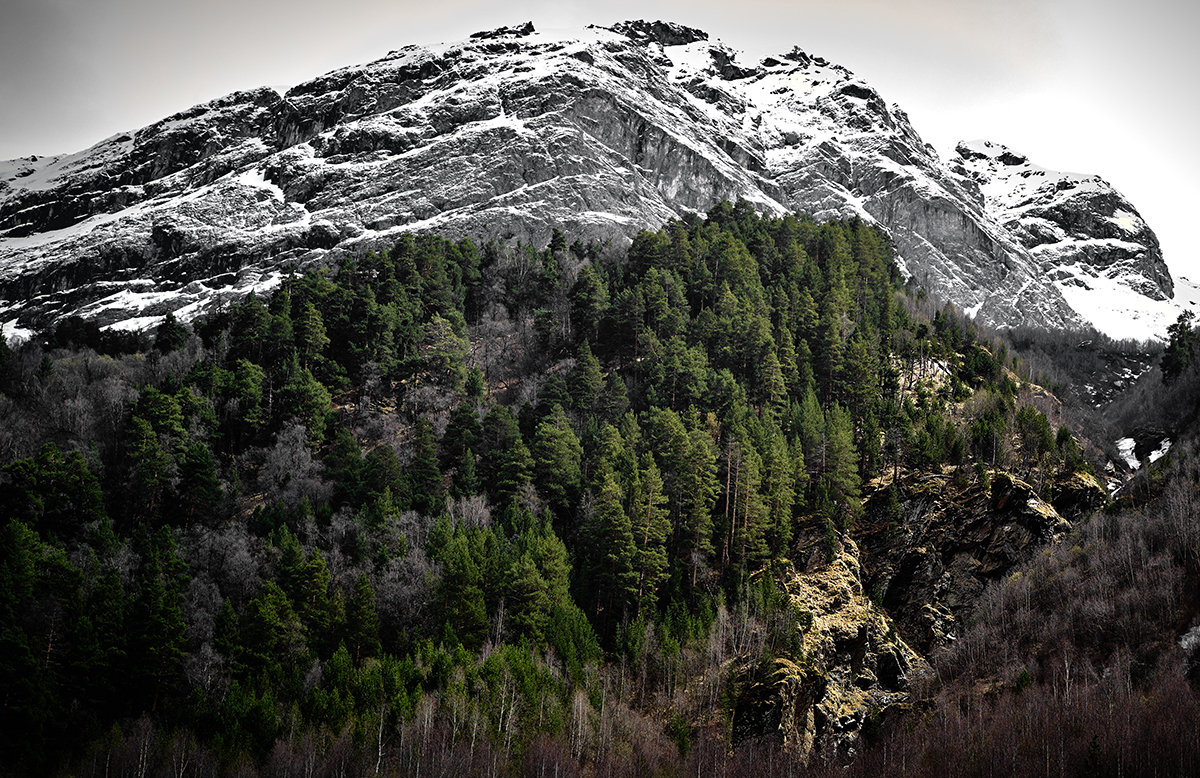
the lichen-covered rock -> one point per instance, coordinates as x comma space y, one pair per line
852, 664
506, 136
1077, 495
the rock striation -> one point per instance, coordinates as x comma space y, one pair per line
506, 135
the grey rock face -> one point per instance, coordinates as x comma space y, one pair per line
505, 135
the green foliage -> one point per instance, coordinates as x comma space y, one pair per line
684, 409
1034, 429
651, 527
171, 334
362, 621
306, 399
199, 489
55, 494
586, 380
557, 457
611, 553
444, 352
425, 477
841, 479
506, 465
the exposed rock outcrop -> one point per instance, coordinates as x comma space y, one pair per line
852, 663
929, 566
1086, 237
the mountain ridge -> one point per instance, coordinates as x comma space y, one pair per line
505, 135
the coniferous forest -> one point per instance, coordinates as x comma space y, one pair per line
508, 510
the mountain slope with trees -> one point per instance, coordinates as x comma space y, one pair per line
508, 510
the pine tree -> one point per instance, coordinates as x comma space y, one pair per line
506, 465
152, 469
841, 468
859, 381
251, 324
651, 527
460, 593
311, 338
170, 335
199, 488
1183, 341
612, 552
556, 461
274, 639
779, 491
749, 516
527, 604
22, 668
362, 621
586, 380
589, 303
773, 390
305, 579
699, 496
812, 432
249, 391
444, 352
465, 482
156, 622
462, 433
305, 398
346, 468
424, 476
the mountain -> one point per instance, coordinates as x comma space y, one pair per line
729, 498
752, 522
1086, 237
513, 132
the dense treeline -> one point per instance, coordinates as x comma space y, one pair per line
464, 511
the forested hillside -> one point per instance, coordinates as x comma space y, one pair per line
454, 510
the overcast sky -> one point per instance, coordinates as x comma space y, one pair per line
1095, 86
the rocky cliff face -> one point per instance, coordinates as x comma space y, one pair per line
873, 606
851, 662
928, 567
505, 135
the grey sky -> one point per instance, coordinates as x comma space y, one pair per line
1097, 86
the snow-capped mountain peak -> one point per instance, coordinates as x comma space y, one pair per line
1086, 237
512, 132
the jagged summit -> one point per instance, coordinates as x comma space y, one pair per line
664, 33
517, 31
503, 135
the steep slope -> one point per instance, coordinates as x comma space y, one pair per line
1086, 237
506, 135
